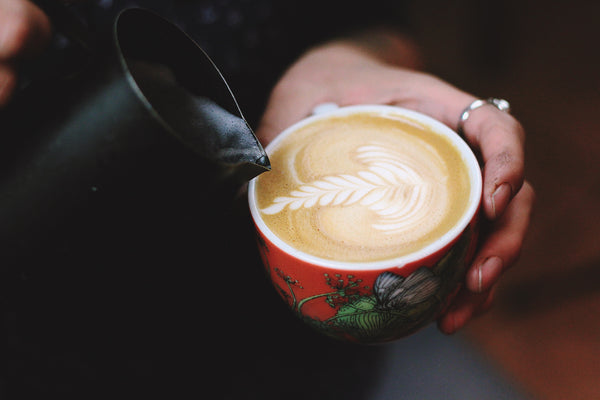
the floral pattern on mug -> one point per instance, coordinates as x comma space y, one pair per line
391, 306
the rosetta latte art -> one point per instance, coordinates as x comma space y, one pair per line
403, 192
362, 187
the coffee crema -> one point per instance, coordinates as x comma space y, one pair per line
363, 187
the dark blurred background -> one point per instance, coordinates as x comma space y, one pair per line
542, 56
543, 334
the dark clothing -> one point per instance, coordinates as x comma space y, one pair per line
116, 319
253, 41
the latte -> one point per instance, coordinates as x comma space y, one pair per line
362, 187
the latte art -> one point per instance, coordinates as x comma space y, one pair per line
402, 192
362, 187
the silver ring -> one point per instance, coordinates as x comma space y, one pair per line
500, 104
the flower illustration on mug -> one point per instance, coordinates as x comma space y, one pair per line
394, 305
393, 292
397, 189
346, 289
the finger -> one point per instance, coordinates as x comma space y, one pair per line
496, 135
500, 140
502, 247
465, 307
8, 82
24, 29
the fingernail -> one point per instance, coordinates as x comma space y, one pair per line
500, 199
487, 273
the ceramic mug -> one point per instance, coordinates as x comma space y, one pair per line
372, 301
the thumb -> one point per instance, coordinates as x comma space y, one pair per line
287, 105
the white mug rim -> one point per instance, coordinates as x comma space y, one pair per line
468, 157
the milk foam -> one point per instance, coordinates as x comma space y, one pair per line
362, 188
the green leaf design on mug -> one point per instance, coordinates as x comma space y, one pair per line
397, 306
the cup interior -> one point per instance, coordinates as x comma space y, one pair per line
466, 153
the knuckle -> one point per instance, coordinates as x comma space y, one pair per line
517, 127
506, 165
517, 249
500, 127
510, 250
504, 159
526, 198
529, 192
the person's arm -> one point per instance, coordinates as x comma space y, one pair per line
381, 67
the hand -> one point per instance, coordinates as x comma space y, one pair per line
24, 31
352, 71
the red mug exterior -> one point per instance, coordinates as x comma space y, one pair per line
383, 301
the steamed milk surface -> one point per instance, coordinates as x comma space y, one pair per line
363, 187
